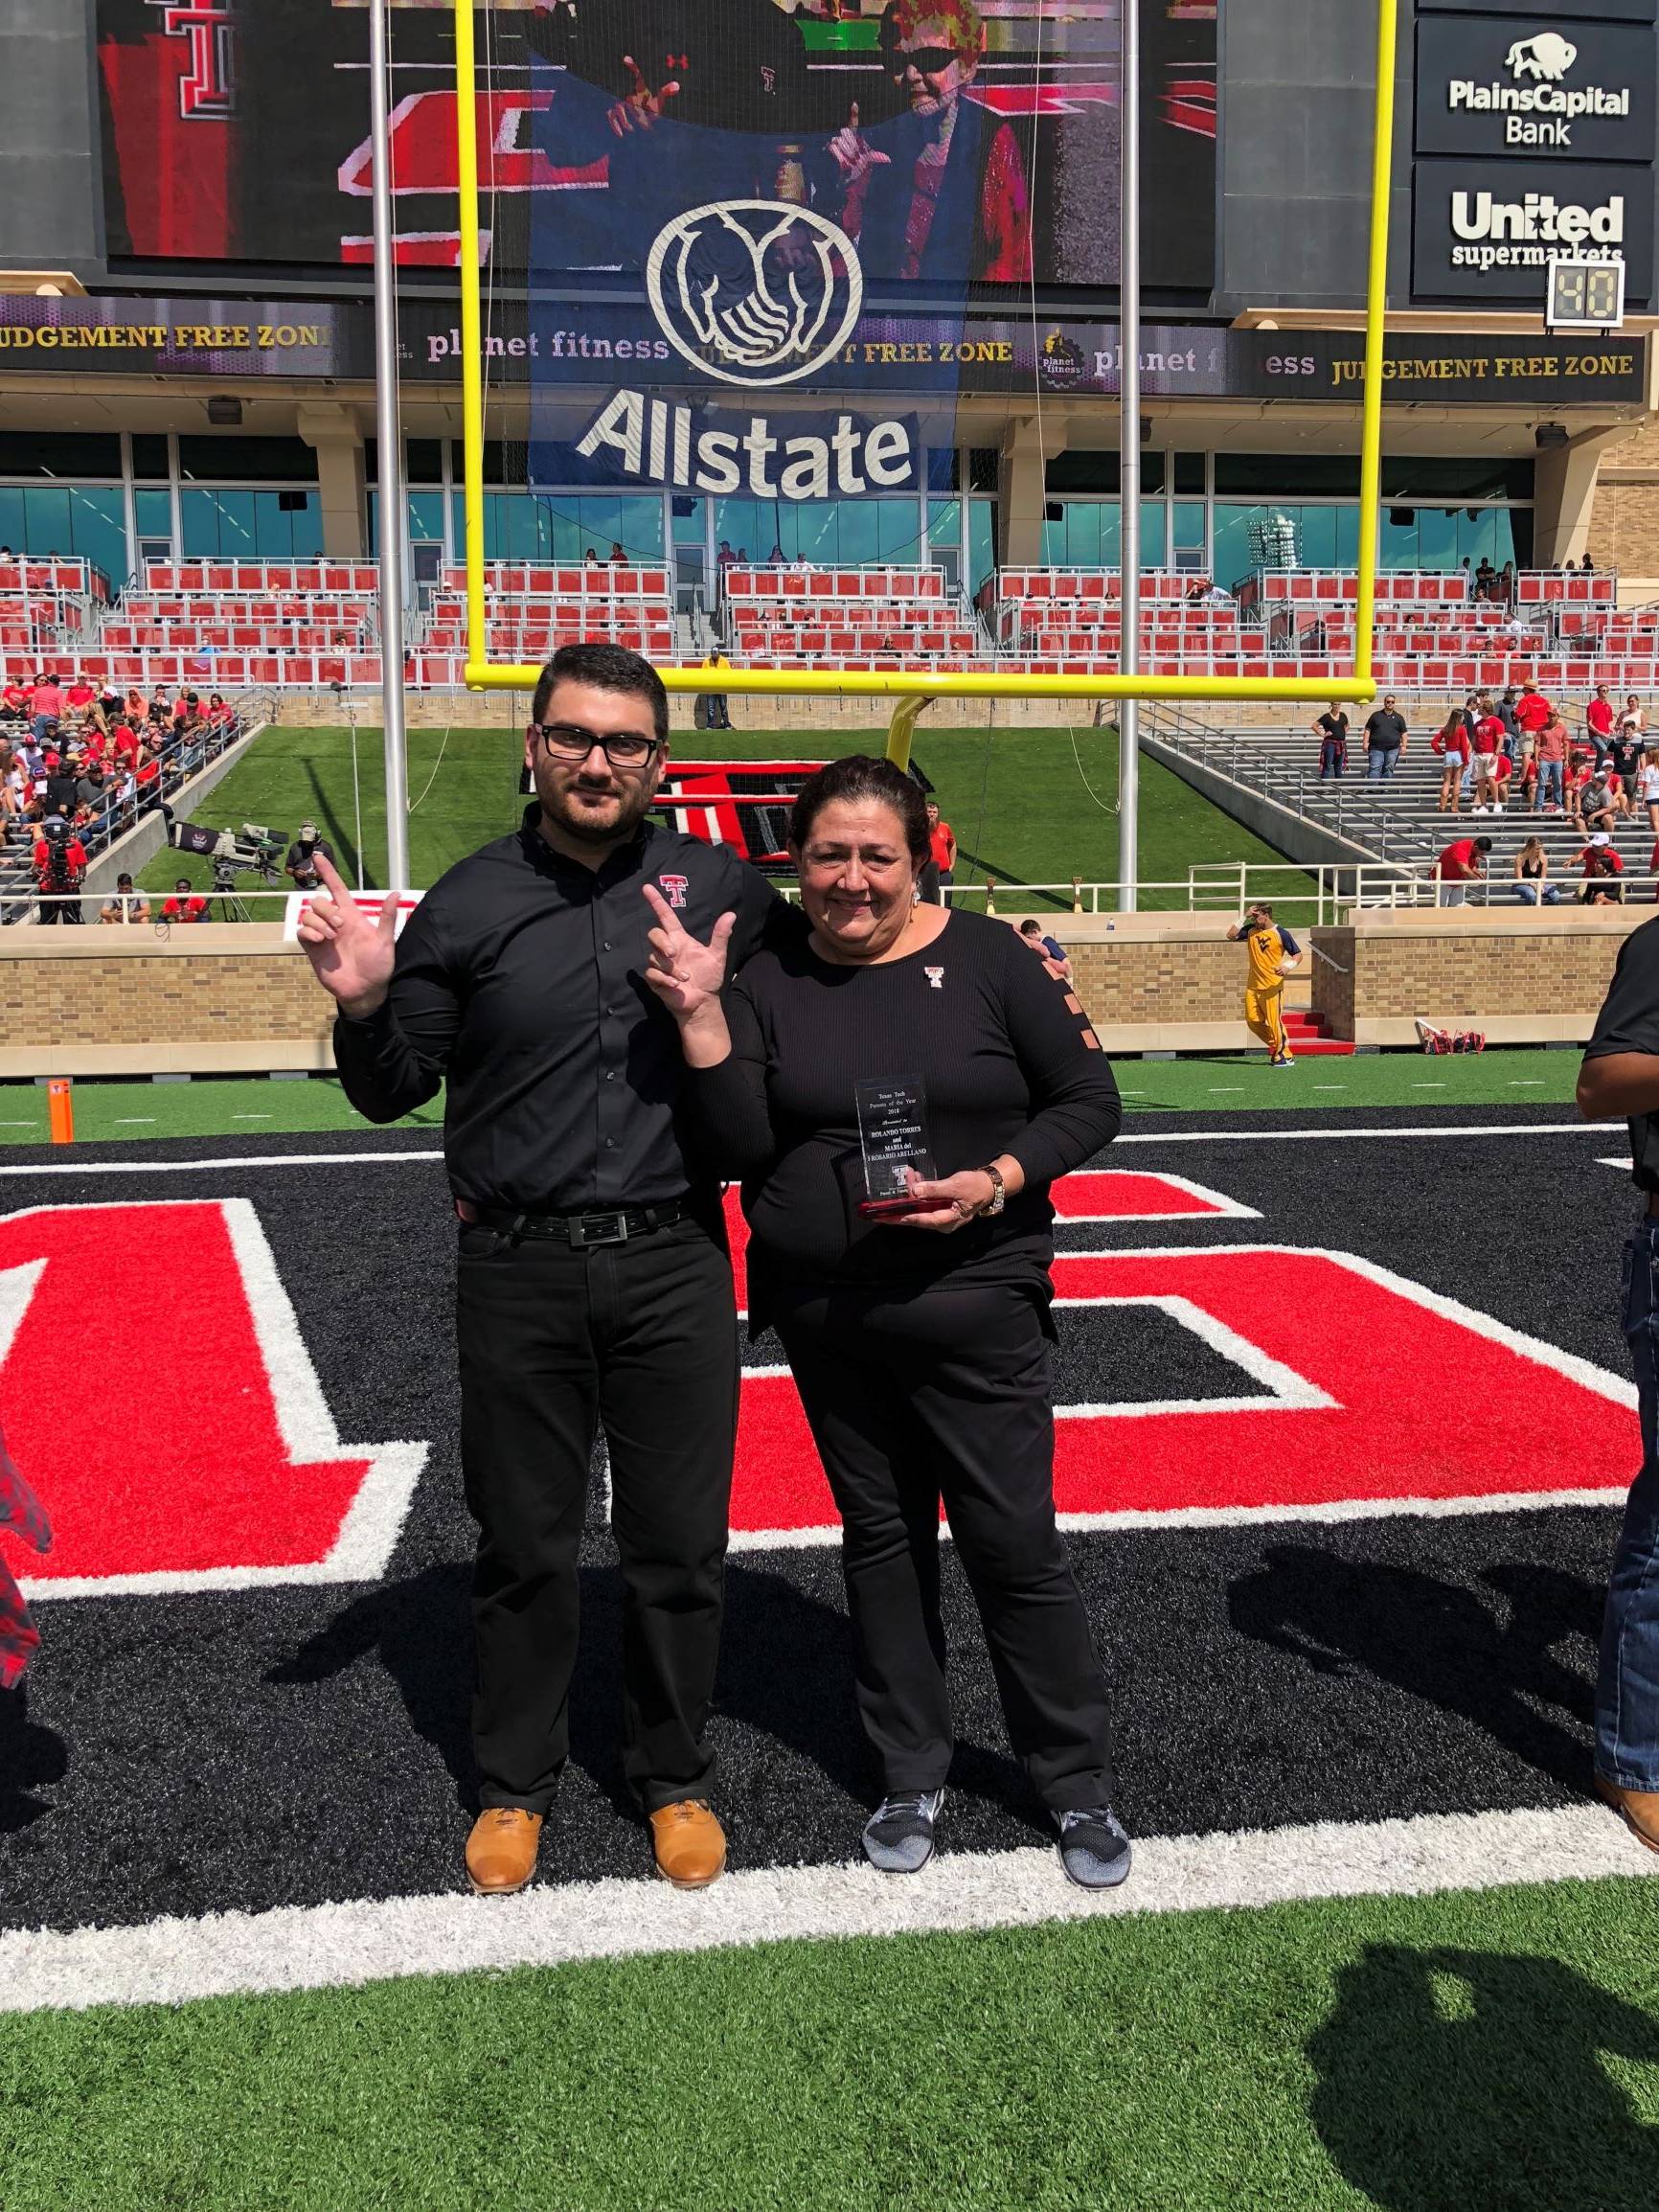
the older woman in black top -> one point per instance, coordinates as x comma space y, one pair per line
918, 1337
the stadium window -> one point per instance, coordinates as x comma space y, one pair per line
239, 459
1190, 475
60, 454
981, 542
942, 466
984, 468
150, 458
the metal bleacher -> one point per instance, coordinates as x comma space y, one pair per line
1393, 823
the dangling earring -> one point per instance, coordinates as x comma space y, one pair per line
915, 895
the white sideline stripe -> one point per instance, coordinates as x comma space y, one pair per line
232, 1160
1110, 1522
175, 1961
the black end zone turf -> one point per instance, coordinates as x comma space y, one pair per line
252, 1749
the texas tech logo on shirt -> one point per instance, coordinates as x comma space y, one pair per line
674, 889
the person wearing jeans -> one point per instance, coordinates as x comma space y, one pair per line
1384, 741
1621, 1076
1552, 746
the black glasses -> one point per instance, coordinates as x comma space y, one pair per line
621, 748
930, 60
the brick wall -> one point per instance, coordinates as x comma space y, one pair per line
1333, 978
1624, 513
1161, 981
160, 1007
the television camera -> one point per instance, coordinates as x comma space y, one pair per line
255, 849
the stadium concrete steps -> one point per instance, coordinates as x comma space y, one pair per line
1396, 820
1310, 1038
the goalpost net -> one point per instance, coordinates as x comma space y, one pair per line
741, 280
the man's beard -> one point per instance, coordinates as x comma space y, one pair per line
631, 809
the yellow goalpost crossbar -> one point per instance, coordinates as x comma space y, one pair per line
921, 685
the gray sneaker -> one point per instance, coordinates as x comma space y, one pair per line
899, 1835
1093, 1849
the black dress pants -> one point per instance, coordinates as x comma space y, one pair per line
946, 1395
642, 1338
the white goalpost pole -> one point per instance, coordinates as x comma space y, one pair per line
390, 472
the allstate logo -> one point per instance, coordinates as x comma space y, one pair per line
754, 291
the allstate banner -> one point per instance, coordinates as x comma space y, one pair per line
746, 232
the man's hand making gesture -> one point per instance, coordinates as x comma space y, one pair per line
639, 106
350, 955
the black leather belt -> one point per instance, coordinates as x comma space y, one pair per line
579, 1230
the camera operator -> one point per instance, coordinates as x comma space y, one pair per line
300, 864
59, 870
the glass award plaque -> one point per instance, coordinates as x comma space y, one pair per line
892, 1133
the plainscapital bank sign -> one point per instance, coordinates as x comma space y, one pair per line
1535, 138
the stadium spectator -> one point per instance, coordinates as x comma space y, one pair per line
59, 871
956, 1281
80, 697
61, 792
219, 712
618, 558
1532, 711
1604, 870
1526, 772
1624, 758
1487, 739
1460, 863
1505, 710
590, 559
1580, 777
1331, 728
1533, 886
300, 864
717, 705
1550, 749
1647, 789
185, 905
1506, 583
1602, 802
1385, 739
1485, 576
1052, 951
126, 905
1586, 567
942, 192
1453, 742
47, 704
15, 698
942, 856
12, 784
1599, 722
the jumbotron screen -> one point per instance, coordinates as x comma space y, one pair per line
236, 131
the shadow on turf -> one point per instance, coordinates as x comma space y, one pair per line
786, 1675
1449, 2081
29, 1755
1494, 1666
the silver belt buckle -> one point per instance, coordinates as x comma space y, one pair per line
599, 1229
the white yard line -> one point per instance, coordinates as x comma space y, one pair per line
233, 1163
344, 1945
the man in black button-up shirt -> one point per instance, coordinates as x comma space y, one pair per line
594, 1286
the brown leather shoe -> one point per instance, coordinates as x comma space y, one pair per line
690, 1844
501, 1850
1638, 1808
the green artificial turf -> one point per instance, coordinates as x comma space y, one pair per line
1019, 801
1212, 1088
1493, 2051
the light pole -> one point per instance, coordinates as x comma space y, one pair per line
1129, 459
390, 472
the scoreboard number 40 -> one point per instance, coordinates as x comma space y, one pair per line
1585, 295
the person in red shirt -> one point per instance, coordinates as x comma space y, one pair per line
125, 739
1489, 745
147, 782
14, 701
1453, 741
1602, 870
185, 905
79, 695
48, 705
1531, 709
1463, 862
941, 852
1599, 722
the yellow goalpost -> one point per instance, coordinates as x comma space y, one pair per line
911, 689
